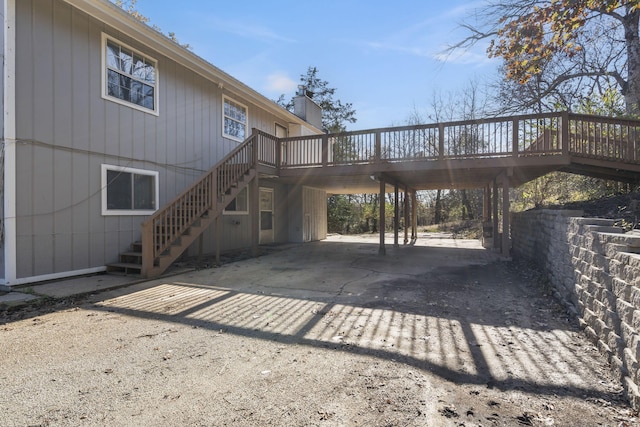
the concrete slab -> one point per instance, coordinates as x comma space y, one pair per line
339, 263
16, 298
348, 266
65, 288
82, 285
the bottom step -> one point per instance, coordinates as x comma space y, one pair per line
124, 267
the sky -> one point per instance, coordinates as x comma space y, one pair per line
386, 58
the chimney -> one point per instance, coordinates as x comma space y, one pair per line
306, 109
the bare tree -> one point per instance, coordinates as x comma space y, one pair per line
560, 52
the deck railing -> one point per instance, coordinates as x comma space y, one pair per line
605, 138
518, 136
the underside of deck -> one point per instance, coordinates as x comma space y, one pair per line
422, 175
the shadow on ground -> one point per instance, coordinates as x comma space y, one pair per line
452, 309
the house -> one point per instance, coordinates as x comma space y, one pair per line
105, 120
123, 150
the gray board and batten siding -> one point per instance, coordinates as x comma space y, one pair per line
2, 142
66, 131
299, 215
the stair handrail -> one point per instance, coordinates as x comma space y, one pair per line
167, 224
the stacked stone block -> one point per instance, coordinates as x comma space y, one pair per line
594, 268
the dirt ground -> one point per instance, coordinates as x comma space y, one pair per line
442, 333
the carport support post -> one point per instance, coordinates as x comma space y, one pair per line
381, 250
486, 206
505, 216
414, 216
406, 214
396, 216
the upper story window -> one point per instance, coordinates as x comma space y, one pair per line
129, 77
235, 120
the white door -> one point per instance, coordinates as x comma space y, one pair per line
266, 215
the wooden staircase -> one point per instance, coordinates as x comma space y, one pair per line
171, 230
130, 262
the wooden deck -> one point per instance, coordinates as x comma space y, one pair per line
465, 154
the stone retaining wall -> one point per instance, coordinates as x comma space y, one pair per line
595, 270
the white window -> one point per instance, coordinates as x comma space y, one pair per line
128, 191
235, 119
129, 77
239, 205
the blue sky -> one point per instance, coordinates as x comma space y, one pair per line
384, 57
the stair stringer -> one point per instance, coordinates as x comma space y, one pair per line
182, 243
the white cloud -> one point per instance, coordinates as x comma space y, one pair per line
423, 37
400, 48
464, 57
280, 83
254, 31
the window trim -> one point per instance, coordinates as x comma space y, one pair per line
110, 212
224, 117
105, 92
244, 212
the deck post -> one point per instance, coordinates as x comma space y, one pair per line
325, 150
396, 215
406, 214
565, 133
378, 143
495, 215
440, 141
631, 151
414, 216
515, 138
278, 154
506, 241
254, 204
381, 221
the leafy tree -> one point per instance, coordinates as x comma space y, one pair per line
335, 113
561, 50
129, 6
340, 213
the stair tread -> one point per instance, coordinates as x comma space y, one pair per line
131, 253
124, 265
